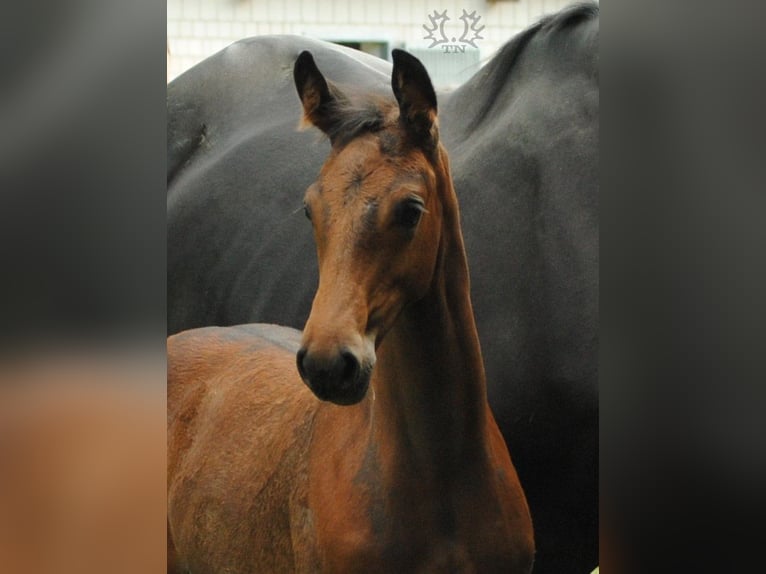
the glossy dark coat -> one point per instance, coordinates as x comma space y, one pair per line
523, 138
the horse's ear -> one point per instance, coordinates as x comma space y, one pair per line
417, 99
319, 98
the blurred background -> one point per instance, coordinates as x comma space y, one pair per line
200, 28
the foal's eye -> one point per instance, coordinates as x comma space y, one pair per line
408, 213
307, 210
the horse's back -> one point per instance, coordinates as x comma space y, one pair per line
238, 431
245, 87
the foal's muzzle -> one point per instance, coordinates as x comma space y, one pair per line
339, 377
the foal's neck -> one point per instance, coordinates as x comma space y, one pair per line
429, 381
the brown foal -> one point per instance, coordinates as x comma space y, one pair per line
400, 467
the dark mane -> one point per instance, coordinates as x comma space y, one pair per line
494, 75
569, 16
357, 114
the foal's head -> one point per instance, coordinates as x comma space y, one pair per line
376, 214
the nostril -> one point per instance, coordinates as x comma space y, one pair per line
299, 361
350, 366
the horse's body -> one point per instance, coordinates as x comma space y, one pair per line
411, 473
272, 478
523, 138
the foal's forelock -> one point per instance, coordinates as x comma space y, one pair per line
379, 118
355, 116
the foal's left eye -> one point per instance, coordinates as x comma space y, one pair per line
307, 210
408, 213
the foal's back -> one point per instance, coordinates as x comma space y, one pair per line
238, 433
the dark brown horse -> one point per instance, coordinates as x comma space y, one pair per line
400, 467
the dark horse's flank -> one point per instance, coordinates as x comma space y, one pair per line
401, 467
523, 141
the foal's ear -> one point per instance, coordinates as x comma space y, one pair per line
417, 99
319, 98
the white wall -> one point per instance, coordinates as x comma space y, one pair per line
199, 28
